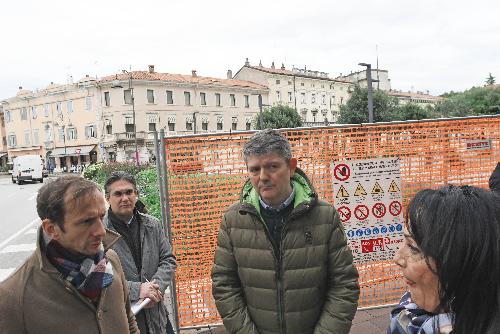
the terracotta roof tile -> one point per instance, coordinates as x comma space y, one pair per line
180, 78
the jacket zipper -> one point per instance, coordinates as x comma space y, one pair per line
278, 260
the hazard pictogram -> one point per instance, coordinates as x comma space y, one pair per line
377, 189
393, 188
341, 172
344, 213
361, 212
360, 191
342, 193
378, 210
395, 208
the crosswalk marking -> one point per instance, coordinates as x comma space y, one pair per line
18, 248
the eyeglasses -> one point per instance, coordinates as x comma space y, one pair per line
128, 192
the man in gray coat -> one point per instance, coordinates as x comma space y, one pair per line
144, 251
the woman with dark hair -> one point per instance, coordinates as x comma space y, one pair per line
450, 261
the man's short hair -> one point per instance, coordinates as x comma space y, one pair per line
265, 142
54, 195
118, 176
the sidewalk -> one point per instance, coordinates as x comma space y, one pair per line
373, 321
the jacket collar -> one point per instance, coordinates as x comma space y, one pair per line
304, 192
109, 240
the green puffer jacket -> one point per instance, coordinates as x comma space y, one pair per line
310, 287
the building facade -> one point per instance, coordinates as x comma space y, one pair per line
420, 98
58, 123
92, 120
315, 96
3, 143
380, 79
178, 104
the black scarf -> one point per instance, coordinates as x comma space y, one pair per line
131, 234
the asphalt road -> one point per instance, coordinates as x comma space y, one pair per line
18, 223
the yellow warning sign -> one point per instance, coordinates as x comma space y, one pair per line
377, 189
342, 193
393, 188
360, 191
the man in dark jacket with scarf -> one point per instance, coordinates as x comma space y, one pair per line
282, 264
144, 251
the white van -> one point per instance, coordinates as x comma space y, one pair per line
27, 168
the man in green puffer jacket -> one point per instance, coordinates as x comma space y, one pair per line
282, 264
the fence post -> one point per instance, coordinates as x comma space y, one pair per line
165, 205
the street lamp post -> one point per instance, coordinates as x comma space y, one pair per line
261, 117
370, 91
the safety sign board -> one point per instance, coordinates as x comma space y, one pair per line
342, 193
368, 198
341, 172
345, 213
360, 191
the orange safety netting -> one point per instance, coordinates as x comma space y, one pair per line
205, 174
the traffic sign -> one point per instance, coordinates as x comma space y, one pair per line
360, 191
342, 193
345, 213
341, 172
395, 208
378, 210
361, 212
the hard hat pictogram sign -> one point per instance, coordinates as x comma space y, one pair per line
360, 191
377, 189
393, 188
341, 172
342, 193
344, 213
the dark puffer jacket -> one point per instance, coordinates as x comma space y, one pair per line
495, 179
310, 287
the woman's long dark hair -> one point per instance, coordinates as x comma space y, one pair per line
459, 228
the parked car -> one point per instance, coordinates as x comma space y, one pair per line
27, 168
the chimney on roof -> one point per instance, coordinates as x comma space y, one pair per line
427, 91
260, 63
86, 75
229, 74
20, 87
282, 66
193, 73
247, 63
272, 65
151, 68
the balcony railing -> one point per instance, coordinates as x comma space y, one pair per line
129, 136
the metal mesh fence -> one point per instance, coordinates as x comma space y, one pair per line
205, 174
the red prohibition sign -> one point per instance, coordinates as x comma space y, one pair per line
378, 210
345, 213
395, 208
341, 172
361, 212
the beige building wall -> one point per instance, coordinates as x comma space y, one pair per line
178, 104
59, 123
420, 98
3, 139
359, 77
316, 97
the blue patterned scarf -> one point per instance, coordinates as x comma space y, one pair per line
408, 318
89, 275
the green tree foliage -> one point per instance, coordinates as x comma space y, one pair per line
413, 111
356, 109
490, 80
473, 102
278, 117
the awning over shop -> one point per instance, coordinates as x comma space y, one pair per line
2, 155
72, 151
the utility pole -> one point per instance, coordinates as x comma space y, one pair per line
370, 90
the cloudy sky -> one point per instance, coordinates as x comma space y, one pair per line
426, 45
